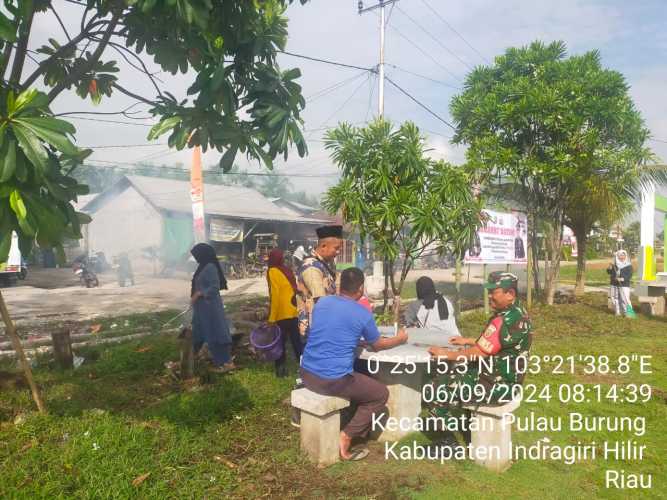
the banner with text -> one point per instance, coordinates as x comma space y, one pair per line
503, 240
225, 230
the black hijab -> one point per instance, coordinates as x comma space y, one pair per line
427, 293
205, 254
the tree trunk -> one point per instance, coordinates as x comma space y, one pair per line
11, 332
62, 349
582, 243
532, 224
407, 265
457, 278
553, 240
385, 292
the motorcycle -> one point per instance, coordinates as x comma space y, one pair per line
87, 277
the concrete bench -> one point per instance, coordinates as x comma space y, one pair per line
320, 424
494, 433
652, 306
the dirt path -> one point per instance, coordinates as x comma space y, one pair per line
29, 304
54, 294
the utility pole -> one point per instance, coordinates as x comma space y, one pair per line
383, 23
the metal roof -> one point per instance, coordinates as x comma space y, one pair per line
83, 200
235, 202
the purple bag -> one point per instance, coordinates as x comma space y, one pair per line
266, 340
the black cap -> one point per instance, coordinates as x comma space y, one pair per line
329, 232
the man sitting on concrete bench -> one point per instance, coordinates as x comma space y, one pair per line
503, 342
338, 325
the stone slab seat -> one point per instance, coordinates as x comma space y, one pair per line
652, 306
493, 434
320, 424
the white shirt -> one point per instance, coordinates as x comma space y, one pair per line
430, 318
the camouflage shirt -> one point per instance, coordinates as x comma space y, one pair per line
316, 278
506, 337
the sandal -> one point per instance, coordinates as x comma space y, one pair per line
227, 367
358, 453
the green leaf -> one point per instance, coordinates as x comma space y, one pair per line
17, 205
5, 244
7, 29
84, 218
54, 124
162, 127
32, 147
9, 163
24, 99
56, 139
227, 160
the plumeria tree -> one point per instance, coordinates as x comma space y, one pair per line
553, 126
396, 195
239, 101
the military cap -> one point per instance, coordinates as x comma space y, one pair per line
501, 279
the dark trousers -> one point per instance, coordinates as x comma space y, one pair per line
369, 395
290, 329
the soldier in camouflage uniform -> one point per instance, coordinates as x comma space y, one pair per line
505, 339
317, 275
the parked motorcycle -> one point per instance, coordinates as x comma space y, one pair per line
87, 277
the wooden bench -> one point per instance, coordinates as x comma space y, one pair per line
495, 432
320, 424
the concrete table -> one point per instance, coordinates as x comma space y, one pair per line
403, 370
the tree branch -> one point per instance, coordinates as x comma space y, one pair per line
21, 49
73, 77
120, 49
60, 21
6, 54
44, 65
133, 95
121, 112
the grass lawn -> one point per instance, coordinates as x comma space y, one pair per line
596, 274
120, 419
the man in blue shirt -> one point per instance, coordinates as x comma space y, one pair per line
339, 323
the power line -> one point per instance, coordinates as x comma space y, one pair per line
434, 38
134, 166
370, 96
424, 106
111, 121
325, 61
125, 146
333, 88
354, 92
426, 54
457, 33
423, 77
657, 140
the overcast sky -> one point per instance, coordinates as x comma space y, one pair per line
629, 35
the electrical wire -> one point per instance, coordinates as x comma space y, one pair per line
426, 54
435, 39
325, 61
99, 120
422, 105
423, 76
437, 14
124, 146
338, 110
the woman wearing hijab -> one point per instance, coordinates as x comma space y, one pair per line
282, 297
209, 324
620, 274
431, 310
